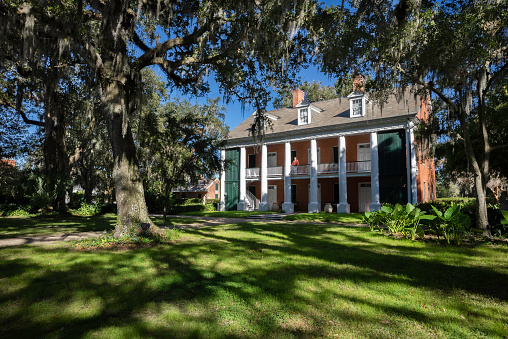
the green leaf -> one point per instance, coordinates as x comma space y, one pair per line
450, 212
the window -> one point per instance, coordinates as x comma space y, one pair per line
336, 154
336, 193
271, 159
293, 194
252, 160
216, 196
357, 108
293, 154
303, 116
216, 186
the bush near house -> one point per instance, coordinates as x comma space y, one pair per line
445, 218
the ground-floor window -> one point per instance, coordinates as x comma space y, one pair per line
293, 194
336, 196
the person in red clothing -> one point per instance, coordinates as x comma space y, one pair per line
295, 162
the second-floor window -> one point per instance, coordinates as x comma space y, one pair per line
303, 116
357, 108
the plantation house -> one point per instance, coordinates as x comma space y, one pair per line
351, 155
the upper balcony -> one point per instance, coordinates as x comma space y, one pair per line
352, 167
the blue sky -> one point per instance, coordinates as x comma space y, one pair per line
234, 115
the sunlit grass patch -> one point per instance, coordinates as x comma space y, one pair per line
347, 218
258, 280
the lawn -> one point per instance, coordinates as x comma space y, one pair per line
348, 218
257, 279
11, 227
225, 214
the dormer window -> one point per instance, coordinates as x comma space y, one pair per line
303, 116
357, 107
357, 102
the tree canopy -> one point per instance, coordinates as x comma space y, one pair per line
242, 44
453, 50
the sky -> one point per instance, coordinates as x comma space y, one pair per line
233, 112
234, 115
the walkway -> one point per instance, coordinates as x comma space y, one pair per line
46, 239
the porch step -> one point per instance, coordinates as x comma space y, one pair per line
266, 216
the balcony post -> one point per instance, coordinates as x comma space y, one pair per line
242, 205
222, 203
287, 206
313, 204
263, 206
374, 173
343, 206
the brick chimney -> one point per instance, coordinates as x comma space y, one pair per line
298, 95
358, 82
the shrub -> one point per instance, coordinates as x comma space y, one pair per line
452, 224
20, 212
399, 219
88, 209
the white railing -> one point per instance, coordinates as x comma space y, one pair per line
274, 171
252, 201
328, 168
300, 170
351, 167
252, 172
358, 166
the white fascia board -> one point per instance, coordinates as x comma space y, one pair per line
400, 122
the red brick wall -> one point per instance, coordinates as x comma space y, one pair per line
351, 145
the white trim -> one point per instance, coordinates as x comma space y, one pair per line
324, 135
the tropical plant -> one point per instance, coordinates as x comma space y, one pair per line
452, 224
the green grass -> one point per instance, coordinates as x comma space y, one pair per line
351, 218
26, 226
258, 280
225, 214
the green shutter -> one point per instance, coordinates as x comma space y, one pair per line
392, 166
232, 179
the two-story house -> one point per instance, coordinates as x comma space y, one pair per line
348, 152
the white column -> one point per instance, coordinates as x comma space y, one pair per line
313, 203
414, 196
343, 206
374, 173
287, 206
222, 204
408, 167
263, 206
242, 205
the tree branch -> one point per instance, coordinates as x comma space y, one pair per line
19, 109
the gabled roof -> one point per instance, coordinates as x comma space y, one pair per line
334, 115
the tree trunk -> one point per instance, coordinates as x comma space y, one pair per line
482, 220
55, 154
130, 198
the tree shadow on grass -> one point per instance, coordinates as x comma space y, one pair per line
188, 289
20, 227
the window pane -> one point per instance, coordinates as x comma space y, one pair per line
357, 107
304, 116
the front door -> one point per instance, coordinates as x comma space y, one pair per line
363, 157
272, 195
364, 196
